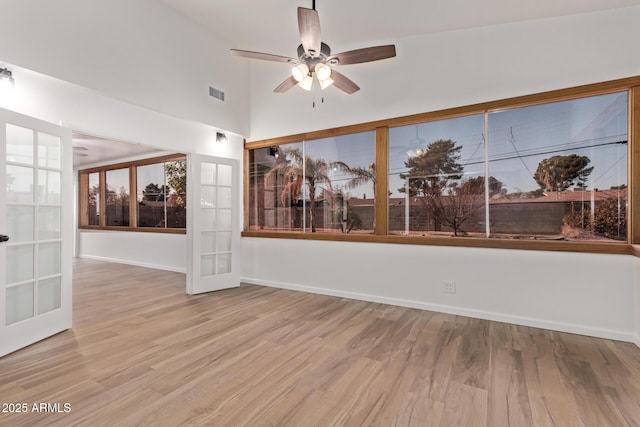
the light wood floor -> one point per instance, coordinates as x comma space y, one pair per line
143, 353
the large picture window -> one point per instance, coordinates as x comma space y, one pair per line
547, 171
159, 189
436, 178
563, 168
316, 186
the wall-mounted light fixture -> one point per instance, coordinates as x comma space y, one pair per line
274, 151
221, 138
6, 79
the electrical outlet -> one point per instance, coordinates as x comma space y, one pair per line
448, 287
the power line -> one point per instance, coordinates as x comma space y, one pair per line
561, 150
512, 139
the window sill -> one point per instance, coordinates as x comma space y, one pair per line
136, 229
533, 245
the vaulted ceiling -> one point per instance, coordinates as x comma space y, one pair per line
272, 25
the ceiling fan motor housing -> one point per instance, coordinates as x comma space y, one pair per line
325, 52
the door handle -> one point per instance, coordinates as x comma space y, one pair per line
3, 238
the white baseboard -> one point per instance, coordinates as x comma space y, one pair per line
478, 314
136, 263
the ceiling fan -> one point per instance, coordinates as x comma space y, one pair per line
315, 59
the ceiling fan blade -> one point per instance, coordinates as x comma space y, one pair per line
343, 83
309, 27
286, 85
263, 56
366, 54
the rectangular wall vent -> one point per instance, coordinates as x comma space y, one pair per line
216, 93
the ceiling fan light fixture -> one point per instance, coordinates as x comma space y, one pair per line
306, 83
300, 72
323, 71
326, 83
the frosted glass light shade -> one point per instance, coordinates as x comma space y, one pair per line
326, 83
323, 71
306, 83
300, 72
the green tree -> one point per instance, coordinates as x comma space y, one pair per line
177, 179
153, 193
476, 186
558, 173
296, 170
433, 169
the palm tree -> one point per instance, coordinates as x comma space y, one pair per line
294, 170
361, 176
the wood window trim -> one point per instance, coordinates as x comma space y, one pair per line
381, 127
83, 181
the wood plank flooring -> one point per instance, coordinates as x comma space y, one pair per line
143, 353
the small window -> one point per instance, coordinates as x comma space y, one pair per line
159, 186
162, 195
318, 186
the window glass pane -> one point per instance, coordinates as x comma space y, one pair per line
117, 197
49, 151
436, 178
162, 195
224, 219
224, 241
275, 201
20, 222
224, 264
224, 175
207, 265
224, 197
564, 168
208, 174
49, 188
19, 144
49, 222
94, 199
176, 181
207, 242
49, 295
338, 185
19, 303
49, 259
152, 195
19, 184
20, 260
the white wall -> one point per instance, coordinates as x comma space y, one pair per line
636, 299
584, 293
453, 69
579, 293
82, 109
152, 250
141, 52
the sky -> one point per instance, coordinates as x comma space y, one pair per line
518, 140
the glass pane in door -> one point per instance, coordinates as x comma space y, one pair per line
19, 145
19, 263
49, 295
49, 151
19, 303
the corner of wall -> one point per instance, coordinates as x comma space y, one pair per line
636, 295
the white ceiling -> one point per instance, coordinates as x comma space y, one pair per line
91, 150
271, 26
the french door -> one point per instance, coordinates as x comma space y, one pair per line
35, 229
213, 232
